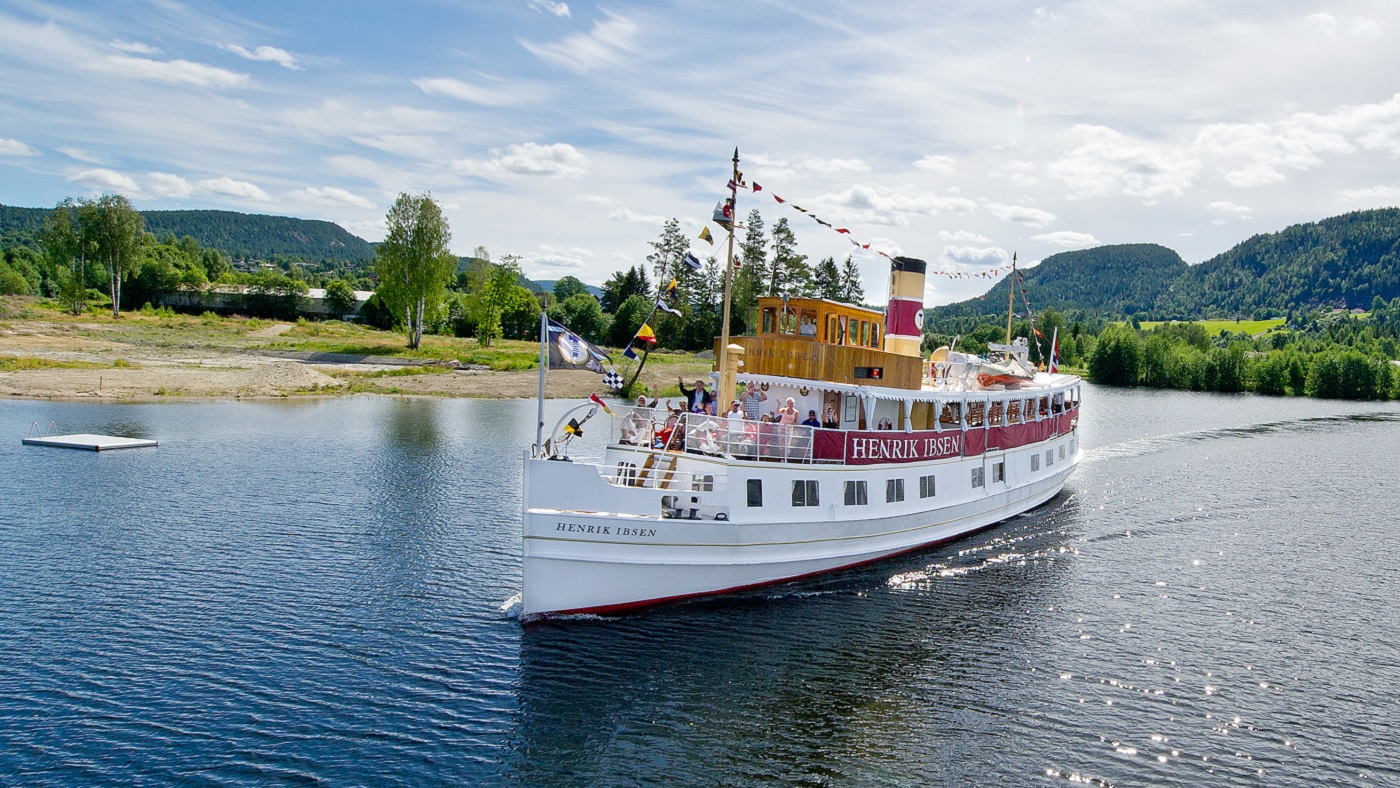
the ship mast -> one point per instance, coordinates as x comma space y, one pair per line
1010, 303
727, 370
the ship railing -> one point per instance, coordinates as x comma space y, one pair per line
715, 436
661, 474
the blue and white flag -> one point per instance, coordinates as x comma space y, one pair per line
664, 308
568, 350
692, 261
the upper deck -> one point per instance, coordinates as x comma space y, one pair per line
819, 340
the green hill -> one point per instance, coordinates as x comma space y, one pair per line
1345, 261
1114, 280
241, 235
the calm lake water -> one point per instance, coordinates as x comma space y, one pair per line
316, 592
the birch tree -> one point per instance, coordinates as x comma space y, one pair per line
115, 232
415, 263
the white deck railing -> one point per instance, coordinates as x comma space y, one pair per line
717, 436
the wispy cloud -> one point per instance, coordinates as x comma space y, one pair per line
559, 160
944, 164
230, 187
174, 72
1067, 239
164, 184
496, 94
550, 7
106, 180
9, 147
1106, 162
605, 45
1021, 214
268, 54
331, 195
134, 47
969, 257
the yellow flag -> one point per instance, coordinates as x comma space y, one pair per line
706, 237
646, 334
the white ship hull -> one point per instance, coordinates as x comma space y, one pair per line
597, 539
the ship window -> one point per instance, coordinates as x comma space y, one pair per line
804, 493
770, 320
979, 477
755, 492
1049, 458
1035, 462
999, 471
855, 494
864, 333
830, 329
927, 486
627, 473
894, 490
1062, 451
704, 483
841, 330
875, 335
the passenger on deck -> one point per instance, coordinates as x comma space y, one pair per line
697, 400
811, 420
829, 420
885, 424
787, 414
736, 411
752, 401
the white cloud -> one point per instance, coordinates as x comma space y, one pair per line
559, 160
604, 45
558, 260
1107, 163
883, 205
174, 72
1067, 239
973, 257
83, 155
1044, 17
962, 236
134, 47
1253, 154
267, 54
622, 213
1360, 27
1322, 22
832, 166
551, 7
771, 167
331, 195
1019, 172
1382, 194
1230, 209
163, 184
1020, 214
413, 146
9, 147
942, 164
230, 187
106, 180
504, 95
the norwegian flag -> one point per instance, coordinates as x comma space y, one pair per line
1055, 352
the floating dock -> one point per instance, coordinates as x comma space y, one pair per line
90, 442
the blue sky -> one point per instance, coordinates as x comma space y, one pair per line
958, 132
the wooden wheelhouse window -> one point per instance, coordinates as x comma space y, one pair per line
830, 335
864, 333
875, 335
770, 320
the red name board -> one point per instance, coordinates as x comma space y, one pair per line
869, 448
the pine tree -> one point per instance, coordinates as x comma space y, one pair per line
851, 290
827, 279
751, 278
791, 276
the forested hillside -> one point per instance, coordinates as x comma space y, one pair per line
241, 235
1345, 261
1114, 280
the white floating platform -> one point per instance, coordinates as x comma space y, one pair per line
90, 442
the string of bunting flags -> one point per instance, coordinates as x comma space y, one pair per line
723, 216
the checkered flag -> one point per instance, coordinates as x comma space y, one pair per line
612, 380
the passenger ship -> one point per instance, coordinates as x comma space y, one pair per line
923, 452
